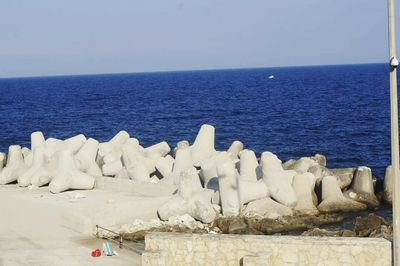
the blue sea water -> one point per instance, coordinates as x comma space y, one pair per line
339, 111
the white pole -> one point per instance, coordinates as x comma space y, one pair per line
394, 134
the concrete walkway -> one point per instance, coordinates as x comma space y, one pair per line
31, 233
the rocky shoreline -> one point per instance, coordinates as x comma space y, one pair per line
367, 225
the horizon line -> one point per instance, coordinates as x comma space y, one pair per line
188, 70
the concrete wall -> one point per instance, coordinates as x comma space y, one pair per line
136, 188
115, 202
123, 210
211, 249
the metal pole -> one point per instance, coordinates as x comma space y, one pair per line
394, 133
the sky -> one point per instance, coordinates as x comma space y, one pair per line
69, 37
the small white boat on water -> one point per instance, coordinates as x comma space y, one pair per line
271, 76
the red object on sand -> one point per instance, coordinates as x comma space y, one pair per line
96, 253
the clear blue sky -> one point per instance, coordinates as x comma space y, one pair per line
56, 37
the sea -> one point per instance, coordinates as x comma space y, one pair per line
341, 111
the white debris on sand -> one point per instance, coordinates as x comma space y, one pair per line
75, 197
32, 187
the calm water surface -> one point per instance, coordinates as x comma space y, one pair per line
340, 111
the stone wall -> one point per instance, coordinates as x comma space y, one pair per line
212, 249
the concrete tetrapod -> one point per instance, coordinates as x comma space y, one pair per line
52, 146
228, 180
344, 175
25, 179
72, 144
319, 172
201, 208
134, 161
333, 199
182, 163
278, 180
2, 160
203, 146
362, 189
288, 165
320, 159
164, 165
15, 165
249, 168
86, 158
130, 150
114, 144
234, 150
68, 176
252, 190
267, 208
388, 185
122, 174
112, 168
189, 183
37, 141
191, 199
112, 157
137, 171
45, 173
208, 169
150, 162
109, 153
27, 155
180, 145
162, 149
303, 185
302, 165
